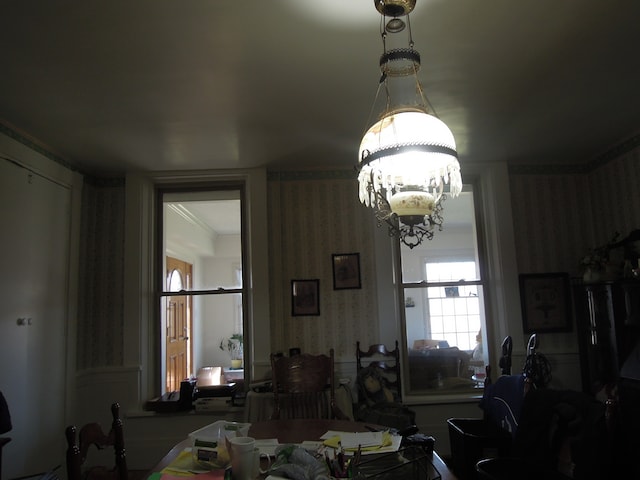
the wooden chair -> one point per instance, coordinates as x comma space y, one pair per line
562, 434
383, 407
5, 425
300, 385
505, 358
92, 434
536, 367
387, 361
3, 442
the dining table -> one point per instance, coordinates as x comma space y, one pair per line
296, 431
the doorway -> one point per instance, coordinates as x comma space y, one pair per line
178, 331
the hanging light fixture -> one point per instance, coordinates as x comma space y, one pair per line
408, 155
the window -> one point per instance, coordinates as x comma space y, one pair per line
200, 267
444, 314
144, 272
453, 310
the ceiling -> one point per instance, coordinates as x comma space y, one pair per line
170, 85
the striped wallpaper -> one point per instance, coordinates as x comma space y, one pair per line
557, 217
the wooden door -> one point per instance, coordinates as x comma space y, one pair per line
178, 342
35, 214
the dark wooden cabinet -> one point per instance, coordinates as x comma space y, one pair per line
608, 326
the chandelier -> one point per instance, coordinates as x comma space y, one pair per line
408, 155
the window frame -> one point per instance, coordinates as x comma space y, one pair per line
161, 292
494, 230
423, 285
141, 347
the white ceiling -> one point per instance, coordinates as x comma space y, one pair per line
117, 85
222, 216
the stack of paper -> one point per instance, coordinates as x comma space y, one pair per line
367, 442
351, 440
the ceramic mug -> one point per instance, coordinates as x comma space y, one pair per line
245, 458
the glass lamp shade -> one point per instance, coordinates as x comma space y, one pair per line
409, 154
411, 204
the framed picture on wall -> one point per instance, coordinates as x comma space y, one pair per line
346, 271
305, 297
546, 302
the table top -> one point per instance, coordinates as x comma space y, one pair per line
298, 430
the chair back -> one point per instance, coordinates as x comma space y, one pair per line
90, 435
505, 358
387, 362
5, 426
300, 386
380, 388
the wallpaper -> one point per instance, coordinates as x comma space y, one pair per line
557, 217
616, 190
311, 219
552, 221
101, 295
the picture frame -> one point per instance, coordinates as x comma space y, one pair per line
346, 271
451, 292
545, 299
305, 297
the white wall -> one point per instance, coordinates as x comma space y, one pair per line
219, 310
37, 285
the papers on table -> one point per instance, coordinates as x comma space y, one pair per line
183, 465
369, 442
351, 440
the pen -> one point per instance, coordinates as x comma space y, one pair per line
328, 461
340, 457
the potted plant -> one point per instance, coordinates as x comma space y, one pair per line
596, 261
234, 347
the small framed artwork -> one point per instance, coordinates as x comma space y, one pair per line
346, 271
305, 297
546, 302
451, 292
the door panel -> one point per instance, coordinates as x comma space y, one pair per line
178, 341
35, 216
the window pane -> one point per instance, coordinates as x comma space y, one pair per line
202, 252
454, 271
444, 327
205, 227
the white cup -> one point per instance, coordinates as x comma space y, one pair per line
245, 458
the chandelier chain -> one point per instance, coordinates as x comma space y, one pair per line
408, 154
